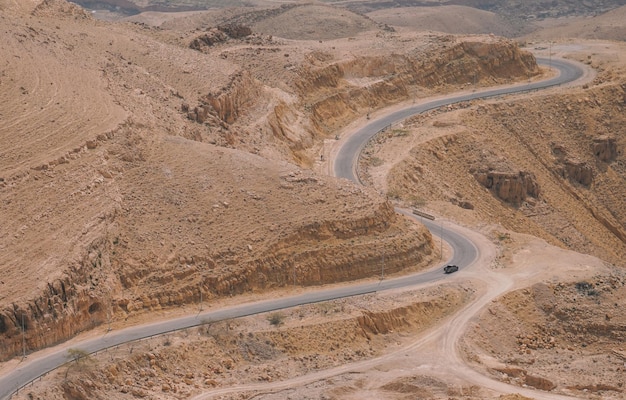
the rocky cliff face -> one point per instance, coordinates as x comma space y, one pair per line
510, 187
559, 159
74, 302
177, 231
265, 253
334, 95
605, 148
577, 171
226, 104
320, 93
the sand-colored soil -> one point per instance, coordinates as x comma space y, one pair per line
141, 174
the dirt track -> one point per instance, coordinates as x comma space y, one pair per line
436, 353
438, 350
440, 354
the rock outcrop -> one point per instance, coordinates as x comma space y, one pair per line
605, 148
208, 39
231, 101
333, 97
571, 168
220, 34
512, 187
320, 92
522, 377
577, 171
226, 104
68, 305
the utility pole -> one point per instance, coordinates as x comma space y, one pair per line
294, 275
200, 289
23, 339
441, 242
382, 271
550, 54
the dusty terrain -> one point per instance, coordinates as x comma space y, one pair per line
606, 26
181, 185
548, 149
450, 19
255, 349
163, 159
191, 194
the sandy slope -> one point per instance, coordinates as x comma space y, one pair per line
449, 19
137, 174
115, 202
608, 26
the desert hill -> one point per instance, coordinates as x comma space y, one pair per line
450, 19
120, 130
542, 9
297, 21
530, 9
607, 26
551, 167
102, 161
160, 161
114, 198
304, 22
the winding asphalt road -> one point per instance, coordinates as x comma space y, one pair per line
464, 251
346, 160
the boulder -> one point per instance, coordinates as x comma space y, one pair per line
605, 148
577, 171
539, 383
512, 187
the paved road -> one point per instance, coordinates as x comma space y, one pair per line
35, 367
464, 254
346, 160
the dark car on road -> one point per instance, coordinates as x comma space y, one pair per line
448, 269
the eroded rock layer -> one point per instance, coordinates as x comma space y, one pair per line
137, 173
551, 166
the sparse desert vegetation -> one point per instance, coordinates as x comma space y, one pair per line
160, 157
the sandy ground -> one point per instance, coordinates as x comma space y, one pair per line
434, 354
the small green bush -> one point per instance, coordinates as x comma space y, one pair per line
376, 162
276, 319
400, 132
394, 194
